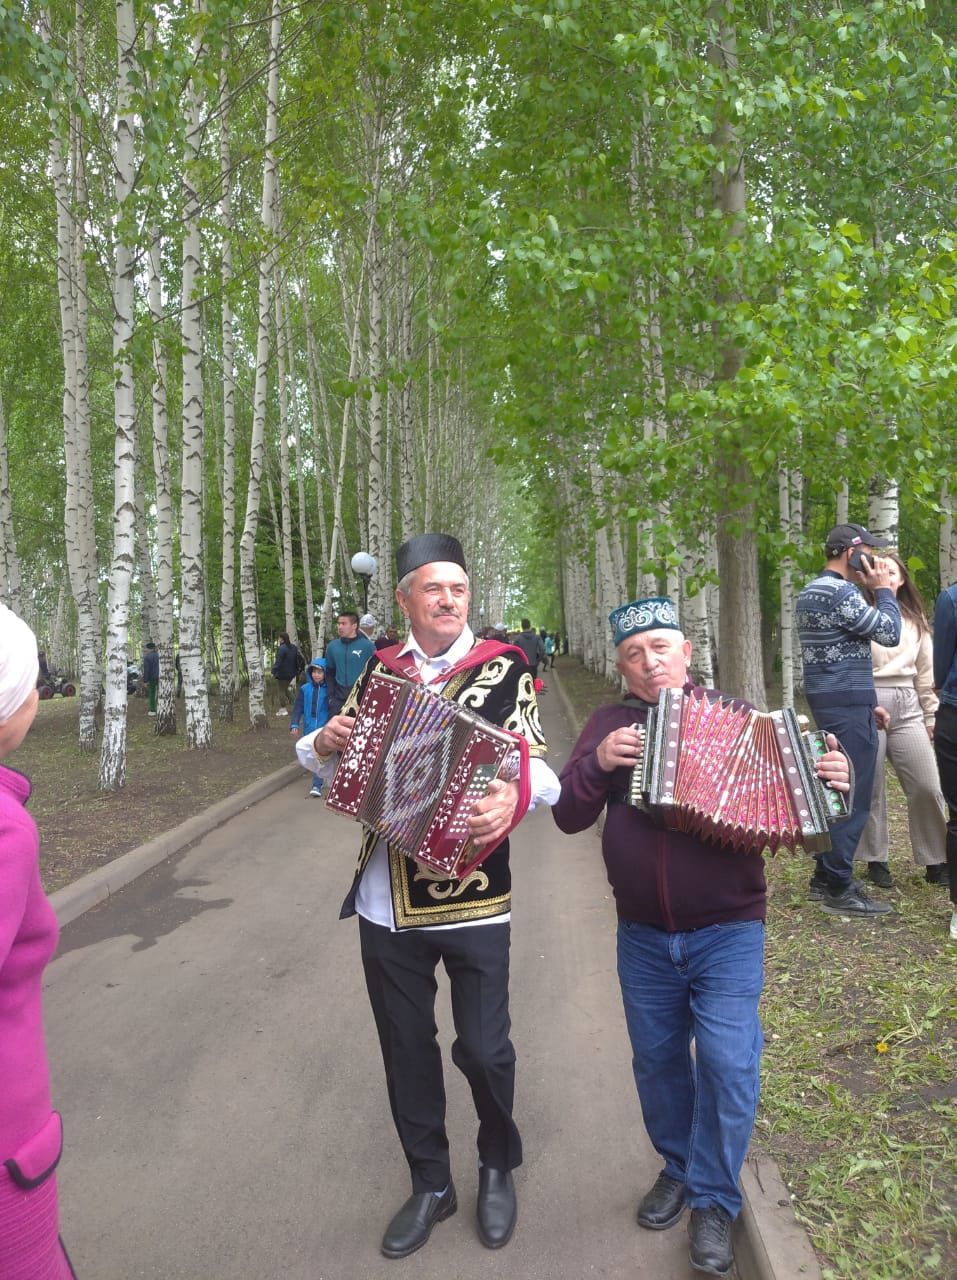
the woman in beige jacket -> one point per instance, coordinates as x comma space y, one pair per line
904, 680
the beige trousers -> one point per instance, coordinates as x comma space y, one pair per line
909, 749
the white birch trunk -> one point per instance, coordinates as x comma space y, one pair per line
296, 438
227, 595
376, 494
198, 723
406, 405
786, 591
113, 749
166, 695
843, 504
947, 543
335, 546
247, 545
9, 561
147, 585
883, 509
321, 429
78, 536
285, 528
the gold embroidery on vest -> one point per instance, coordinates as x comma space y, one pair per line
441, 887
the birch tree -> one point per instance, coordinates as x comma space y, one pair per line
9, 560
198, 725
267, 261
79, 527
227, 603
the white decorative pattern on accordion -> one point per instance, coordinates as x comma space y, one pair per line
414, 766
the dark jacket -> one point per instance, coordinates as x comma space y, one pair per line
286, 667
151, 665
945, 645
530, 643
659, 877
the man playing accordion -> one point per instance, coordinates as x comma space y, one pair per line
411, 916
690, 948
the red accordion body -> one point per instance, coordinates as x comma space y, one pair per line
415, 765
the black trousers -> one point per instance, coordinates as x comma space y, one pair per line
400, 978
945, 748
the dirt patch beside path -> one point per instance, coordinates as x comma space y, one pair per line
82, 828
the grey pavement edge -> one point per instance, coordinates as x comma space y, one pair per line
72, 900
769, 1242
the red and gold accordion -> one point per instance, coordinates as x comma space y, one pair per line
733, 775
414, 766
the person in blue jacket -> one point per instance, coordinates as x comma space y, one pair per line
312, 709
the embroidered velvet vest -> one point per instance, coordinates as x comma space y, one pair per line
500, 689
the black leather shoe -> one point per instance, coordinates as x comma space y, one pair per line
412, 1225
663, 1205
710, 1231
937, 874
497, 1207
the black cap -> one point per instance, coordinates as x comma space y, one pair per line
843, 536
428, 548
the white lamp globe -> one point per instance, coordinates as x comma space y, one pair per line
363, 563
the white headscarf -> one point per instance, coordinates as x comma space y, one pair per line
18, 662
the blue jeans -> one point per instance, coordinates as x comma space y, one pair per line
856, 731
699, 1109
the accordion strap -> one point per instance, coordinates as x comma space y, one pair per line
480, 653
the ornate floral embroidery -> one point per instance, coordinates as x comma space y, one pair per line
441, 889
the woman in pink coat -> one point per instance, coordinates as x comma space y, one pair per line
30, 1130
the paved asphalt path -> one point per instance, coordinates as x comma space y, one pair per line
226, 1117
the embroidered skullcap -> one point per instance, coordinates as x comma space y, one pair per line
368, 620
18, 663
428, 548
653, 613
500, 626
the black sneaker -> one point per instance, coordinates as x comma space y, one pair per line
710, 1231
663, 1205
817, 888
853, 901
937, 874
879, 873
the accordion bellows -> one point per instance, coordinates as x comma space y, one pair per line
733, 775
414, 766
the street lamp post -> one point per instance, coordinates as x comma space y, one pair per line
364, 566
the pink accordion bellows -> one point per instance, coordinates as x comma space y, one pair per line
30, 1246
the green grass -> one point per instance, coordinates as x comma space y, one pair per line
859, 1078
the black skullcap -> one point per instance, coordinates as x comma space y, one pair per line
428, 548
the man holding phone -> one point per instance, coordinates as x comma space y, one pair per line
836, 626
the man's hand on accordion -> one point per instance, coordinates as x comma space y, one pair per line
492, 815
833, 768
333, 736
621, 747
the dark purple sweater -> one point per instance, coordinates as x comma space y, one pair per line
659, 877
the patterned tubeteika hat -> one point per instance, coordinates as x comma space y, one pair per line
653, 613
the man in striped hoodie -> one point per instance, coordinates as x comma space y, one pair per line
836, 626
